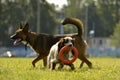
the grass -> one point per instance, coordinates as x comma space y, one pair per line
21, 69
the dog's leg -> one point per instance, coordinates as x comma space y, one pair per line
53, 65
45, 61
60, 66
84, 59
72, 66
36, 60
81, 65
48, 63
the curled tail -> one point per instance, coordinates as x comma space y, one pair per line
75, 22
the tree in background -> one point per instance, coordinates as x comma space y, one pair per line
12, 12
102, 15
115, 38
47, 16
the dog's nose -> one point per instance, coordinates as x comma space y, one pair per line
70, 45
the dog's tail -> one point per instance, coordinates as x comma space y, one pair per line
75, 22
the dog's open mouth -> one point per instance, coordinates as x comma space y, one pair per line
17, 41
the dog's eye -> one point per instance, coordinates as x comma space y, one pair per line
66, 40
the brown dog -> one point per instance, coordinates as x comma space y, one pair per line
41, 43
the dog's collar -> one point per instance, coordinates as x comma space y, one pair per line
26, 45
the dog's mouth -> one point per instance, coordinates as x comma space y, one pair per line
17, 41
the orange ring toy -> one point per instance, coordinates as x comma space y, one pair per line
67, 48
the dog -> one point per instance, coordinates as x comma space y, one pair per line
41, 43
53, 57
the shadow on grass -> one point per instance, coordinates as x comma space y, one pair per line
65, 69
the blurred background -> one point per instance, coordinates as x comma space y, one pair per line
101, 19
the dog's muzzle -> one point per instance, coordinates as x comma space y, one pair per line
16, 39
68, 44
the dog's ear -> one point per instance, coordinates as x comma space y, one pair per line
60, 45
73, 39
20, 26
26, 28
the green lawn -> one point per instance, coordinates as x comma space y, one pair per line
21, 69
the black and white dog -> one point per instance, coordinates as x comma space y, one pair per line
53, 57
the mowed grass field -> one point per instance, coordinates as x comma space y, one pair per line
21, 69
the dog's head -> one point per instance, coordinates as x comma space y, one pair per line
66, 41
20, 34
